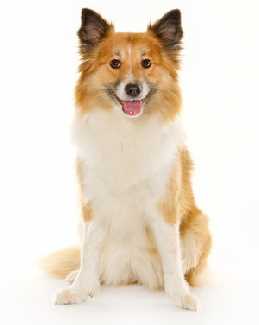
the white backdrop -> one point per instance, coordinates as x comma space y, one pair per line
39, 207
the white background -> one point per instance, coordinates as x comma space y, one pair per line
39, 207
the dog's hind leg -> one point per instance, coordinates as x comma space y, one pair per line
195, 245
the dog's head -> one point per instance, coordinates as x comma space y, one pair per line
133, 72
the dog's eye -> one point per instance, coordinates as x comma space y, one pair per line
115, 63
146, 63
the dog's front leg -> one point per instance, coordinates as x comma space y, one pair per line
87, 280
168, 244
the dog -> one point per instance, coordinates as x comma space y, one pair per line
140, 223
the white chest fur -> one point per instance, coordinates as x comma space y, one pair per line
126, 166
121, 152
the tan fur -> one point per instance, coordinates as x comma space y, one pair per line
95, 71
86, 210
169, 205
193, 222
60, 263
196, 227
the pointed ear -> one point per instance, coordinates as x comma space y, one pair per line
168, 29
93, 29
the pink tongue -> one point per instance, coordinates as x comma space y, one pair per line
131, 107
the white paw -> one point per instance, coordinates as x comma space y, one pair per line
69, 296
186, 301
76, 294
71, 276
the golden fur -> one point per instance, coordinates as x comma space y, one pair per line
95, 72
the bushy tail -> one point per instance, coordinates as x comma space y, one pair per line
59, 264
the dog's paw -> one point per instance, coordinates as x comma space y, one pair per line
75, 294
71, 276
69, 296
186, 301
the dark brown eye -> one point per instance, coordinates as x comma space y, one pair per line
146, 63
115, 63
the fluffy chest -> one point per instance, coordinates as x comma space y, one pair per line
119, 153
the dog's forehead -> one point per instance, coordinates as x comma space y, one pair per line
127, 44
130, 51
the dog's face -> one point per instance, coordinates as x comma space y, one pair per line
134, 72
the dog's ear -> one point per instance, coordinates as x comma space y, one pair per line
169, 30
93, 29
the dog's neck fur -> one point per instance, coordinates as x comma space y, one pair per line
122, 152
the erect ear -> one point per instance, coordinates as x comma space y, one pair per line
93, 29
168, 29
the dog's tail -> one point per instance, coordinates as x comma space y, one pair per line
60, 263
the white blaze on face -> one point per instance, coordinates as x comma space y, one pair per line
130, 59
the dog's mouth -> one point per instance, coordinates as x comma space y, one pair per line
132, 108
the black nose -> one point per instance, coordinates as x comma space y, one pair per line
132, 90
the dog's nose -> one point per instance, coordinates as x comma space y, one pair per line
132, 90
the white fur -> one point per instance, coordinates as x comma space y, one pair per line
168, 244
87, 280
126, 166
130, 58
